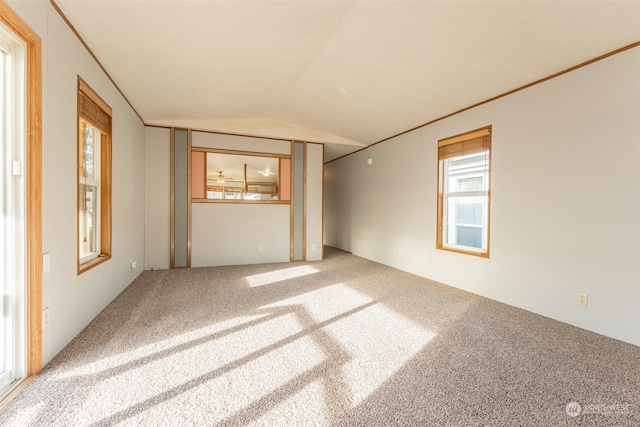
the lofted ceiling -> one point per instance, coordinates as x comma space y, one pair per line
345, 73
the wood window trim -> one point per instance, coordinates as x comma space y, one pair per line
240, 152
241, 202
483, 133
291, 207
85, 92
474, 134
33, 193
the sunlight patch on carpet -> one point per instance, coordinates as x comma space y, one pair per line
26, 417
258, 384
380, 341
306, 407
140, 353
377, 339
279, 275
326, 303
242, 365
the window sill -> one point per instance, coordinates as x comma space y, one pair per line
462, 251
241, 201
93, 263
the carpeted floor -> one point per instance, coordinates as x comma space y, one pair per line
343, 341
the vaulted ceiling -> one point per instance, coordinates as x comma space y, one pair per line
346, 73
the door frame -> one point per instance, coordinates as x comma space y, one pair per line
33, 196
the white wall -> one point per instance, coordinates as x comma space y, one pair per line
229, 234
565, 207
74, 300
240, 143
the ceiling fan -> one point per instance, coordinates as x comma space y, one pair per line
221, 179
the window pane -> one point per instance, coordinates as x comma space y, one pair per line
467, 173
467, 210
90, 151
465, 217
88, 190
87, 151
88, 204
470, 184
469, 236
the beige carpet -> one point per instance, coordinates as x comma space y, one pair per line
343, 341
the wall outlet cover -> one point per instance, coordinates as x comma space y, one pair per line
583, 299
45, 317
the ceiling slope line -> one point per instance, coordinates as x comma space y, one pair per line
294, 86
242, 135
271, 138
486, 101
95, 58
250, 135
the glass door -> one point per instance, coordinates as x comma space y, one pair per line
12, 212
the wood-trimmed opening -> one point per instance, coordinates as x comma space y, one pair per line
93, 110
471, 182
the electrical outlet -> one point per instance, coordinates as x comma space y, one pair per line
260, 248
313, 246
46, 262
45, 317
583, 299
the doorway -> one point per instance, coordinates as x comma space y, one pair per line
12, 210
20, 205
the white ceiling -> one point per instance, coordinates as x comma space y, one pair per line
349, 73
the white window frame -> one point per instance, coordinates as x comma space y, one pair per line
449, 217
94, 182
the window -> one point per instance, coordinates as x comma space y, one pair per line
237, 176
464, 192
94, 178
